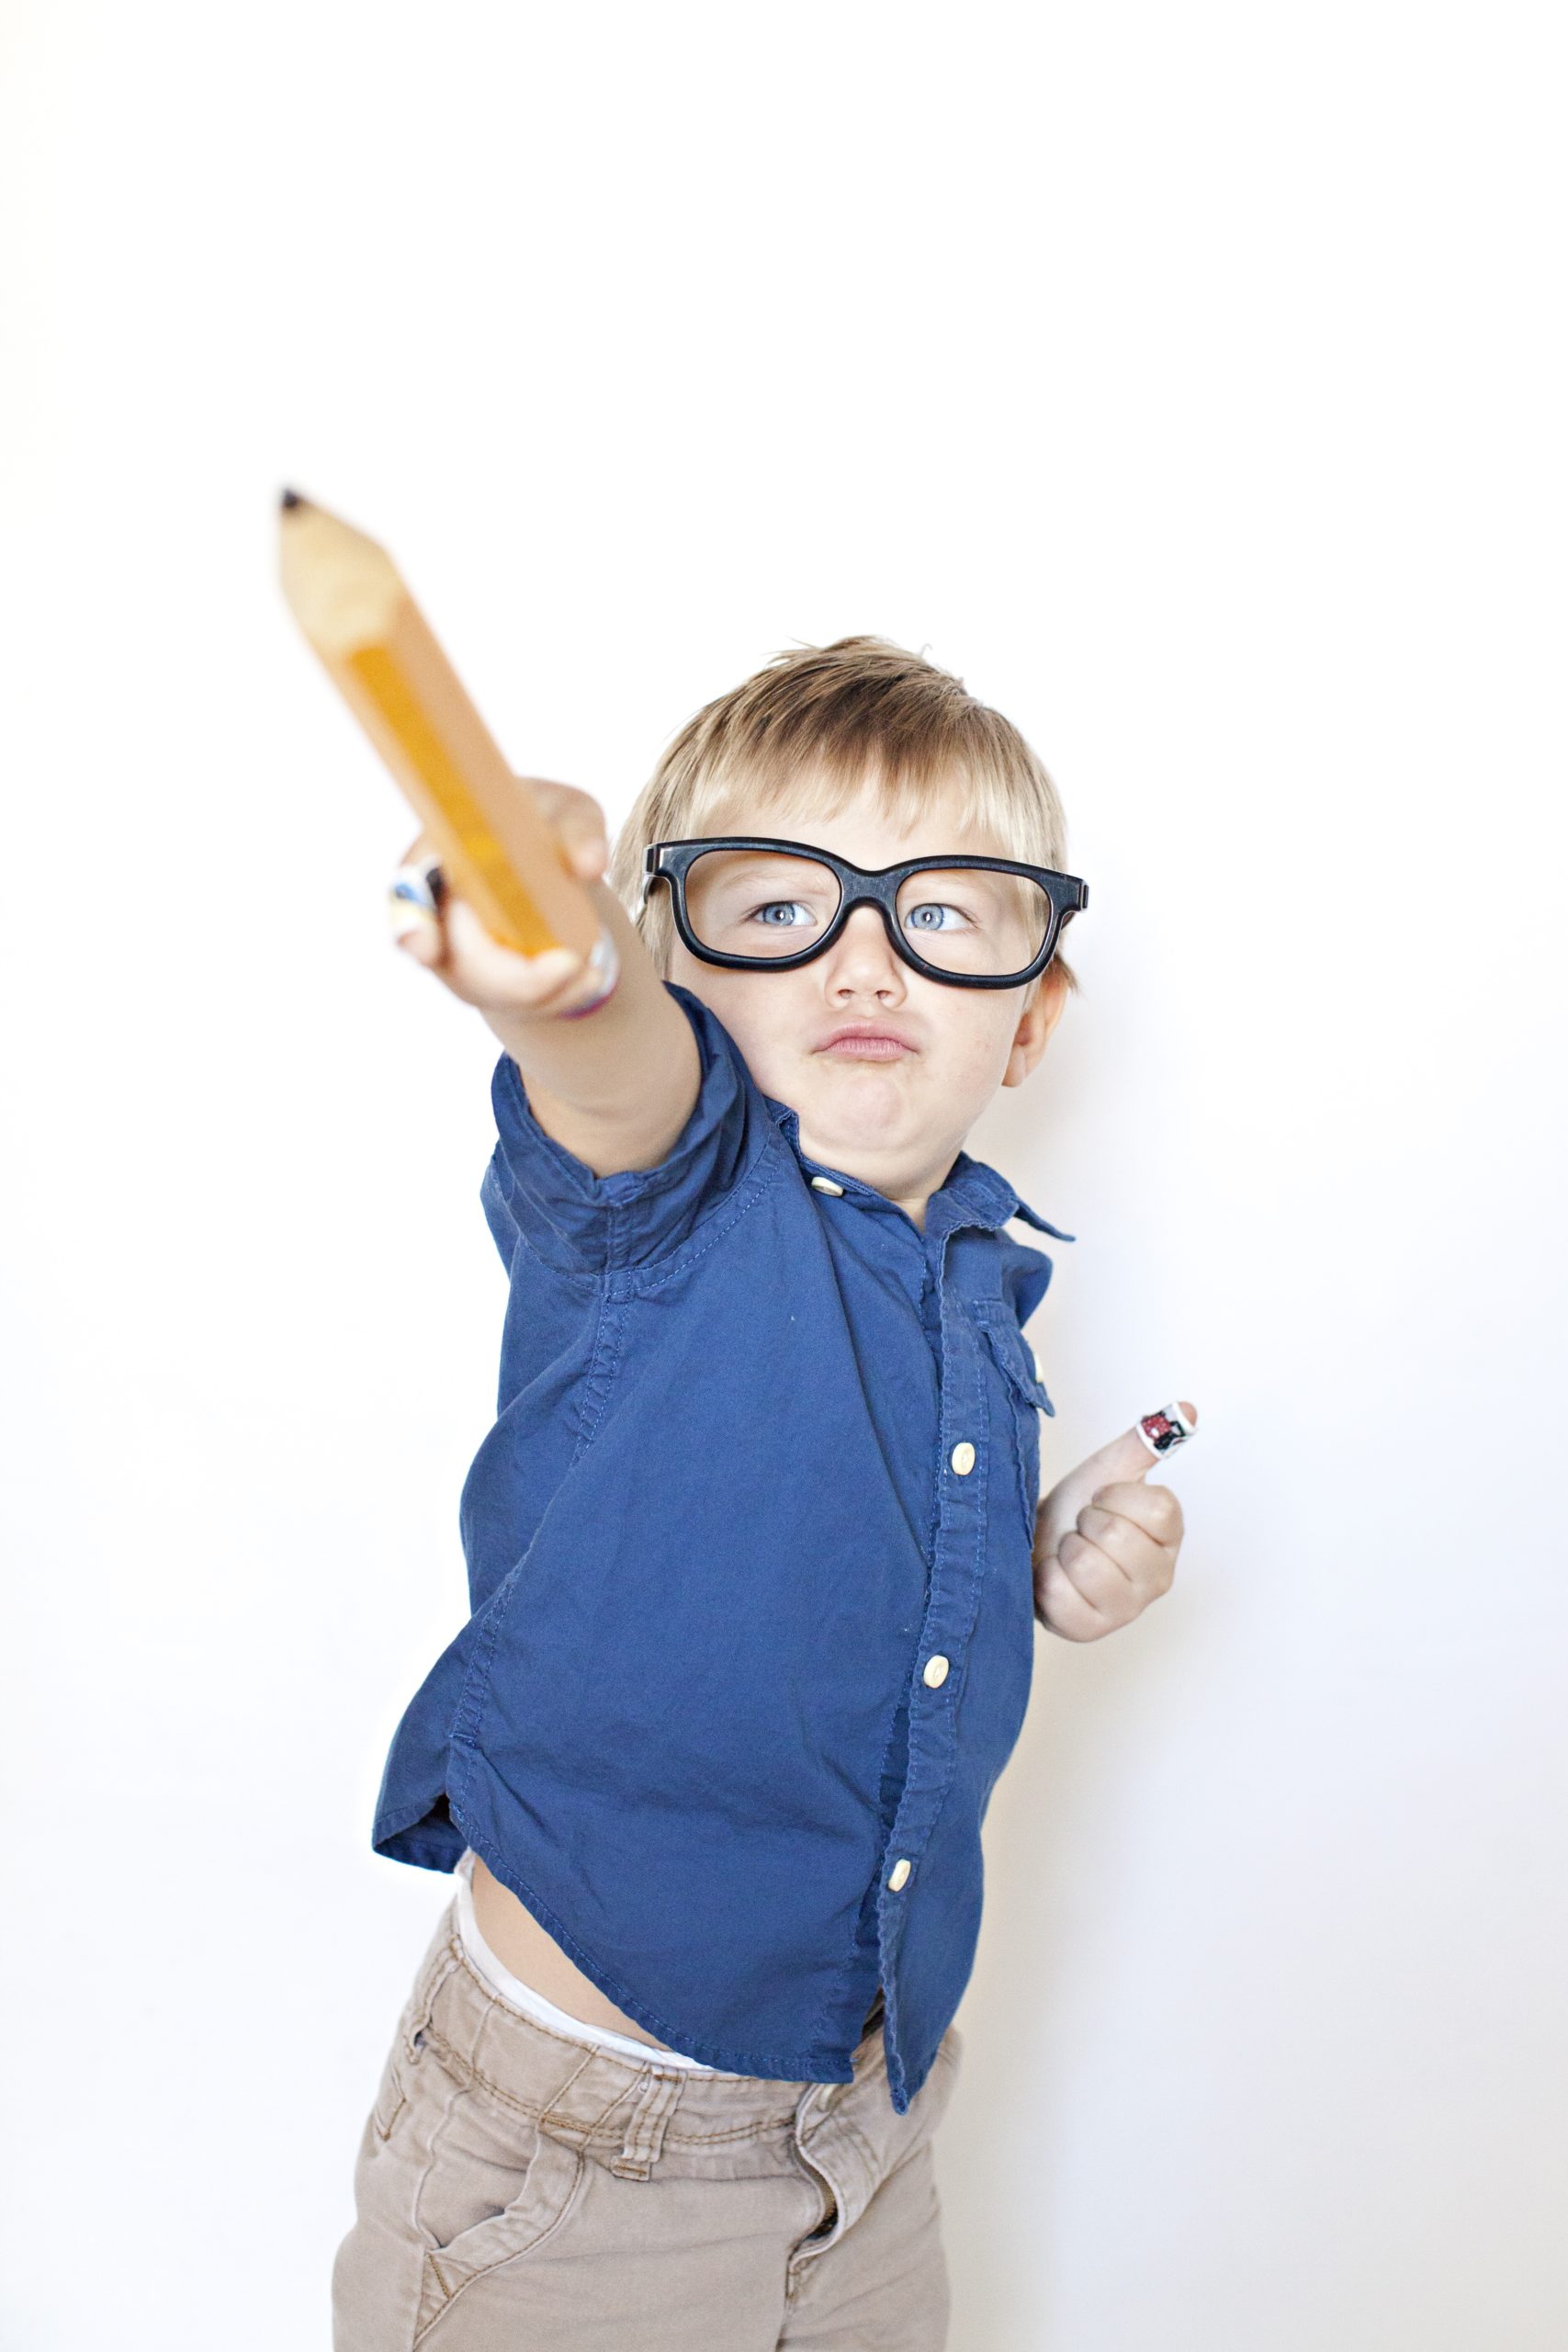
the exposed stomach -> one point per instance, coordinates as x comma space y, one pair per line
532, 1953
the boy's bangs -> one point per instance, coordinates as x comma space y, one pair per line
778, 787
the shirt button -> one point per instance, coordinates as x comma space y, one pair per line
826, 1184
900, 1873
936, 1671
963, 1458
1036, 1362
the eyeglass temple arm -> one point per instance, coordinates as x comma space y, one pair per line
650, 869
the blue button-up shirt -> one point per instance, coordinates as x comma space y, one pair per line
752, 1595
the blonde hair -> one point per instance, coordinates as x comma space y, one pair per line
815, 726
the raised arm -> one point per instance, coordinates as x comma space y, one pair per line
616, 1086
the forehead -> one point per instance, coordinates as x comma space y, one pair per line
855, 819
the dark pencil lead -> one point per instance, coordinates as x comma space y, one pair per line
291, 498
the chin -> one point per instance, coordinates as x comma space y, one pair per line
874, 1110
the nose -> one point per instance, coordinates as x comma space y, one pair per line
862, 960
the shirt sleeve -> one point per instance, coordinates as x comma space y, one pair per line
537, 1192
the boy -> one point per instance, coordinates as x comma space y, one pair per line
754, 1548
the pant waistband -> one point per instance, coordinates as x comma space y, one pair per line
620, 2109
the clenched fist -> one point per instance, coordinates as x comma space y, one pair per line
1105, 1544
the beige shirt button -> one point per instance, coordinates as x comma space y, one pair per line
900, 1873
936, 1671
963, 1458
826, 1184
1036, 1362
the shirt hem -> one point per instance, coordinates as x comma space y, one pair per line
401, 1841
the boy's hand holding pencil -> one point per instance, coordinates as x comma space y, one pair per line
440, 930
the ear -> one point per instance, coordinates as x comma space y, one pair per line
1044, 1003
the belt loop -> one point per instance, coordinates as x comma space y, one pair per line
656, 2102
422, 2004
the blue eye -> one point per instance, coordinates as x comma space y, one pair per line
934, 906
767, 908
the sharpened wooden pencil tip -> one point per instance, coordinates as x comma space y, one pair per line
291, 498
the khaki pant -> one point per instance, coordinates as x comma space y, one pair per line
517, 2192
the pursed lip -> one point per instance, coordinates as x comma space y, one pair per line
880, 1042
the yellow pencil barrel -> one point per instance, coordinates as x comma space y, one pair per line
493, 838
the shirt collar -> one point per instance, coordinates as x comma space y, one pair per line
973, 1193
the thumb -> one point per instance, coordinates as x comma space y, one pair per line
1133, 1454
1157, 1434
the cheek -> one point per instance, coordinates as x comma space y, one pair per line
758, 1010
980, 1037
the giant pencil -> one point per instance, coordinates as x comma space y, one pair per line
493, 838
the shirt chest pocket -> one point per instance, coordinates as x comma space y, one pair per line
1026, 1401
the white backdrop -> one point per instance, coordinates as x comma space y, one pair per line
1192, 382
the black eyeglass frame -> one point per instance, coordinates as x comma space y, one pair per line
669, 862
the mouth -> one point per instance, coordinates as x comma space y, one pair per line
865, 1041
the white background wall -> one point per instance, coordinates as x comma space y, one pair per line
1192, 382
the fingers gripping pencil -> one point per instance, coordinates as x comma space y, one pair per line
494, 842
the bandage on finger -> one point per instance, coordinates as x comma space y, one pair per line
414, 897
1166, 1427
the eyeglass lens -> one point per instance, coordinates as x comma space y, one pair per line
771, 902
